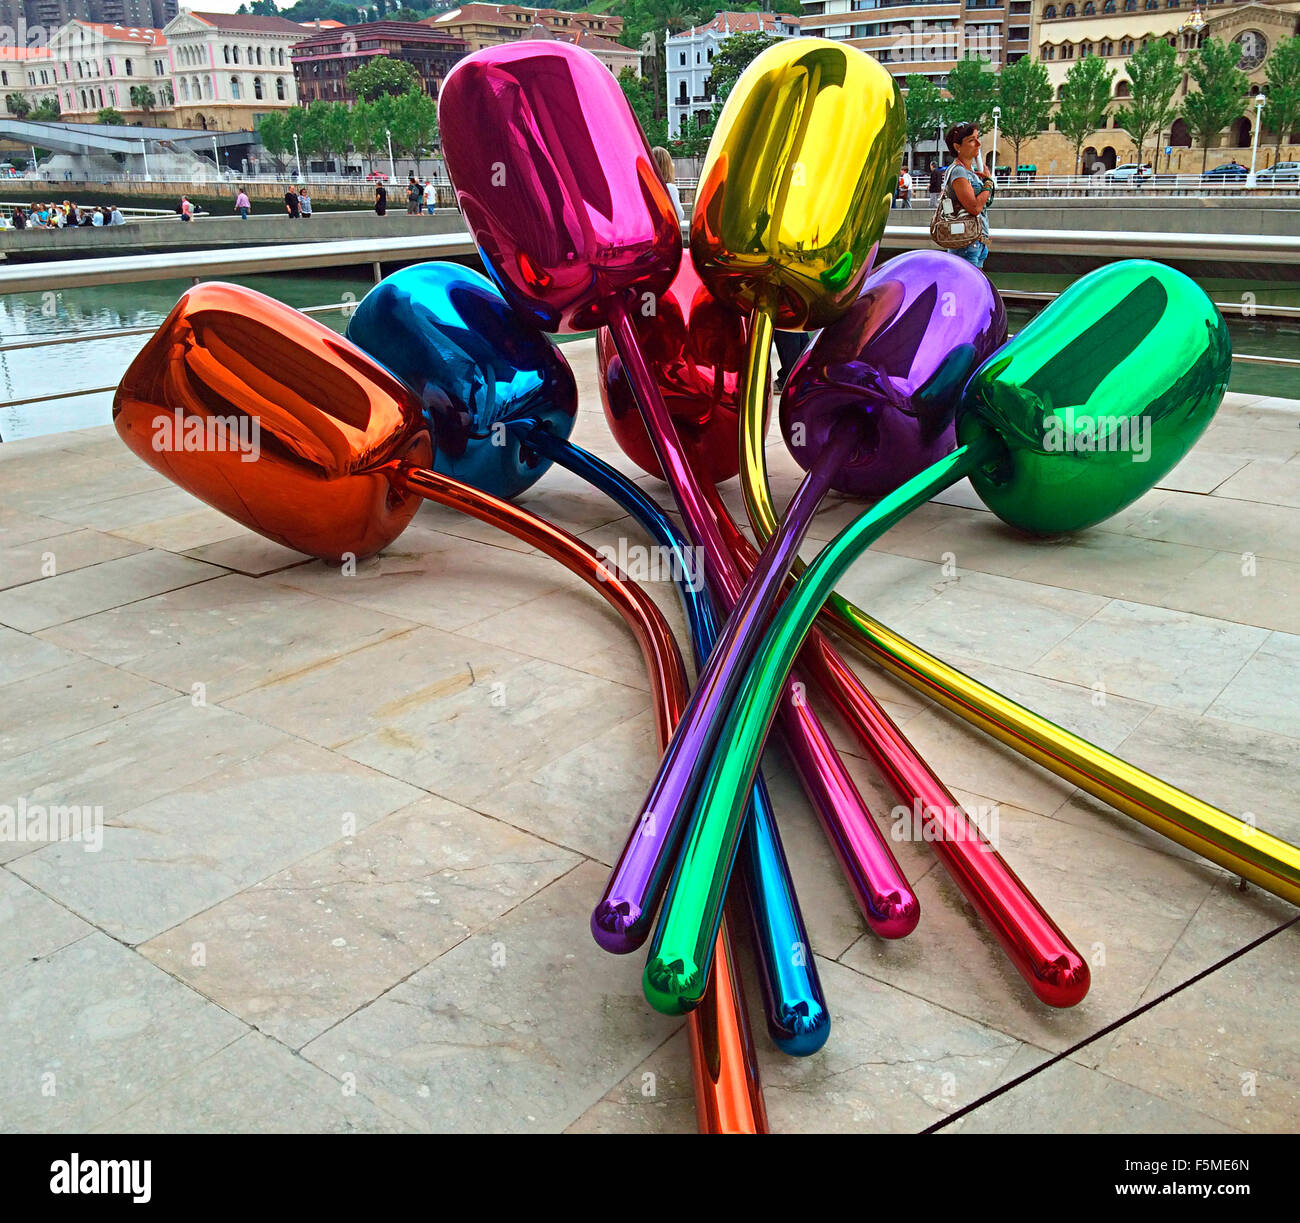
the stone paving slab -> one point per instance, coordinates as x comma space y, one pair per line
353, 826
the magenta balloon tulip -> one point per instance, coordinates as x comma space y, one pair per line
555, 180
898, 360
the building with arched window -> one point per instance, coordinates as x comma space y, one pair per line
1116, 29
126, 64
236, 68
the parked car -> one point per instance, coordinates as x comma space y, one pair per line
1230, 171
1130, 172
376, 176
1283, 172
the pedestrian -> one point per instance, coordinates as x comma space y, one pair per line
414, 195
430, 196
668, 172
905, 187
187, 209
242, 204
20, 219
115, 215
291, 206
936, 184
969, 190
304, 203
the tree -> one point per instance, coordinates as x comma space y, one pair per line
972, 92
1220, 96
111, 115
415, 123
382, 75
1084, 98
1025, 95
732, 57
263, 8
923, 108
273, 132
1282, 88
367, 123
143, 98
17, 105
1154, 74
640, 94
46, 111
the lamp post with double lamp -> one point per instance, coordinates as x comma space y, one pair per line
997, 114
392, 169
297, 161
1254, 137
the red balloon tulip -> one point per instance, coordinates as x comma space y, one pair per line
696, 349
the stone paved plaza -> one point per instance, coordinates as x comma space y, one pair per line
356, 825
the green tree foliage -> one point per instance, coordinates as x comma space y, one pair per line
1025, 96
414, 123
109, 114
383, 75
273, 132
46, 111
923, 107
1084, 99
1282, 88
640, 94
1154, 74
972, 92
17, 105
1220, 96
733, 56
369, 122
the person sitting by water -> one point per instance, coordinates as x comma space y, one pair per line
116, 217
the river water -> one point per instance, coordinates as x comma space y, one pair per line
99, 363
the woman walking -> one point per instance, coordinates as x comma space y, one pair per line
970, 190
381, 201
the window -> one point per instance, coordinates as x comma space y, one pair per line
185, 90
1067, 51
279, 88
259, 55
1049, 52
257, 88
234, 55
225, 51
1068, 11
683, 59
1089, 9
1085, 49
1150, 5
1108, 7
130, 68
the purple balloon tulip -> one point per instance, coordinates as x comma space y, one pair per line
901, 356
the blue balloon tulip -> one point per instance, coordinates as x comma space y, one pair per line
446, 331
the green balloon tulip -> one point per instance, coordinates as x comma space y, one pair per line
1101, 395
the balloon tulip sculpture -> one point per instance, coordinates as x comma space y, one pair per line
447, 389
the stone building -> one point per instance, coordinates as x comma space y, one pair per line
1068, 30
100, 65
229, 69
29, 74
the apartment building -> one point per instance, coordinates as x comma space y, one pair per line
323, 60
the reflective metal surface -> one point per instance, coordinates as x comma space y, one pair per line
798, 181
898, 359
695, 348
556, 182
447, 332
1100, 395
317, 421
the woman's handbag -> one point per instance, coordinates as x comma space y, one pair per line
952, 227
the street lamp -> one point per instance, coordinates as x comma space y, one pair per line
216, 157
144, 152
1254, 138
997, 114
392, 169
297, 161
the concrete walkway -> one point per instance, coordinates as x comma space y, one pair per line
355, 826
